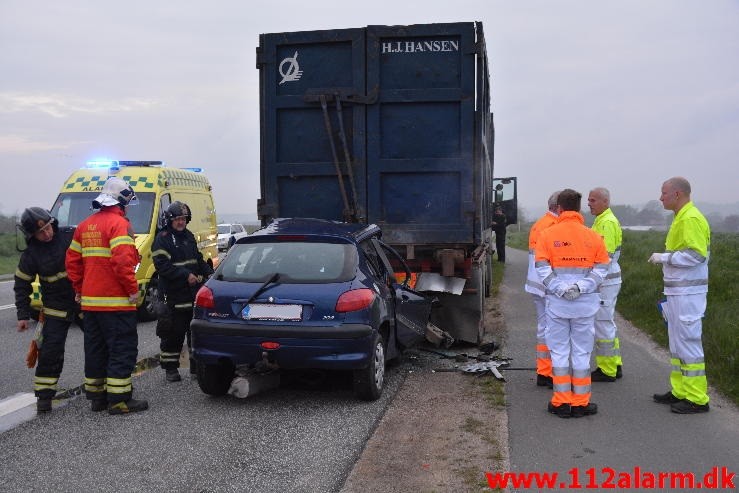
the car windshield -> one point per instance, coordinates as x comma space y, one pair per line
224, 229
71, 208
299, 262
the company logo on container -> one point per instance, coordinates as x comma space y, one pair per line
419, 46
289, 69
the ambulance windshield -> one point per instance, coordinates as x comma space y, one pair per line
71, 208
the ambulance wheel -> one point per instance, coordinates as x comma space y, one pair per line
145, 312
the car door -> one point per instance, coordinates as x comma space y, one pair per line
412, 309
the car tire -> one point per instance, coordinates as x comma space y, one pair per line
369, 382
214, 379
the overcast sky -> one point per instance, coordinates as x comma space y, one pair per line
622, 94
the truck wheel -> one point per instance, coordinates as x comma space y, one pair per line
368, 382
214, 379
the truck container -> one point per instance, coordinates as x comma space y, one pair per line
389, 125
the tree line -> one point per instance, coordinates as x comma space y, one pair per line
654, 215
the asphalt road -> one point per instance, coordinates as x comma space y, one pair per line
630, 430
299, 437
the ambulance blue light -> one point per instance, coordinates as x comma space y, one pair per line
102, 163
196, 170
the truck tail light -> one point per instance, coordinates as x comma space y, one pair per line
270, 345
204, 298
356, 299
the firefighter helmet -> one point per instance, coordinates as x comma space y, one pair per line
33, 220
177, 209
115, 192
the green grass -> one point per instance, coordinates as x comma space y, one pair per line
642, 289
8, 254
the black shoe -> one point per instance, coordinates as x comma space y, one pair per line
173, 375
563, 411
43, 406
619, 372
687, 407
580, 411
543, 381
97, 405
129, 406
599, 376
666, 398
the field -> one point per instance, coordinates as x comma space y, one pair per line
642, 289
8, 254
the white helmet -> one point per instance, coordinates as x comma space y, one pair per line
115, 192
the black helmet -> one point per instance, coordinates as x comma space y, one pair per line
33, 219
177, 209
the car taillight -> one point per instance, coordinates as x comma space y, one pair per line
270, 345
204, 298
354, 300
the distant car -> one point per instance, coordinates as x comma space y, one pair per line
307, 293
228, 234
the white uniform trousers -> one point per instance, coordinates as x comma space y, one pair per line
685, 328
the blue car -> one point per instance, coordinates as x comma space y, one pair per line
307, 293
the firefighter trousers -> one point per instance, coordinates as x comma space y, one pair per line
111, 348
173, 332
50, 357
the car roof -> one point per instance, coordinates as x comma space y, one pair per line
318, 227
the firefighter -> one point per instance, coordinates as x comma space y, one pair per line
685, 273
499, 225
181, 271
572, 261
607, 345
536, 288
101, 263
44, 256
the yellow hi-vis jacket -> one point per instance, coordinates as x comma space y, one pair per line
688, 244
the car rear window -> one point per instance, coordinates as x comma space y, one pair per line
299, 262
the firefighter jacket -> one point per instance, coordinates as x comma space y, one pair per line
685, 265
176, 256
47, 261
101, 261
533, 283
607, 226
569, 253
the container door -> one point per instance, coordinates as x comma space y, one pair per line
299, 176
420, 133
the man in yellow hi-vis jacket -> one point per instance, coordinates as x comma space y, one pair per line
685, 273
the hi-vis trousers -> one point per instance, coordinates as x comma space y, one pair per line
570, 340
684, 328
607, 345
543, 358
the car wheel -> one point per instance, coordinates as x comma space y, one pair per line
214, 379
368, 382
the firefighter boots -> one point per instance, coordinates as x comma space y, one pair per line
173, 375
129, 406
97, 405
43, 405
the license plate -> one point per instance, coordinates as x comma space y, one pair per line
267, 311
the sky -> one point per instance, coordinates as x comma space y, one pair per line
622, 94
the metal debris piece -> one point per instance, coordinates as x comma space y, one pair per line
438, 337
485, 367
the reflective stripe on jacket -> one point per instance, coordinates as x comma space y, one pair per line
533, 283
688, 244
607, 226
570, 253
101, 261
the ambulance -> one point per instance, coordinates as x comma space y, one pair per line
156, 186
